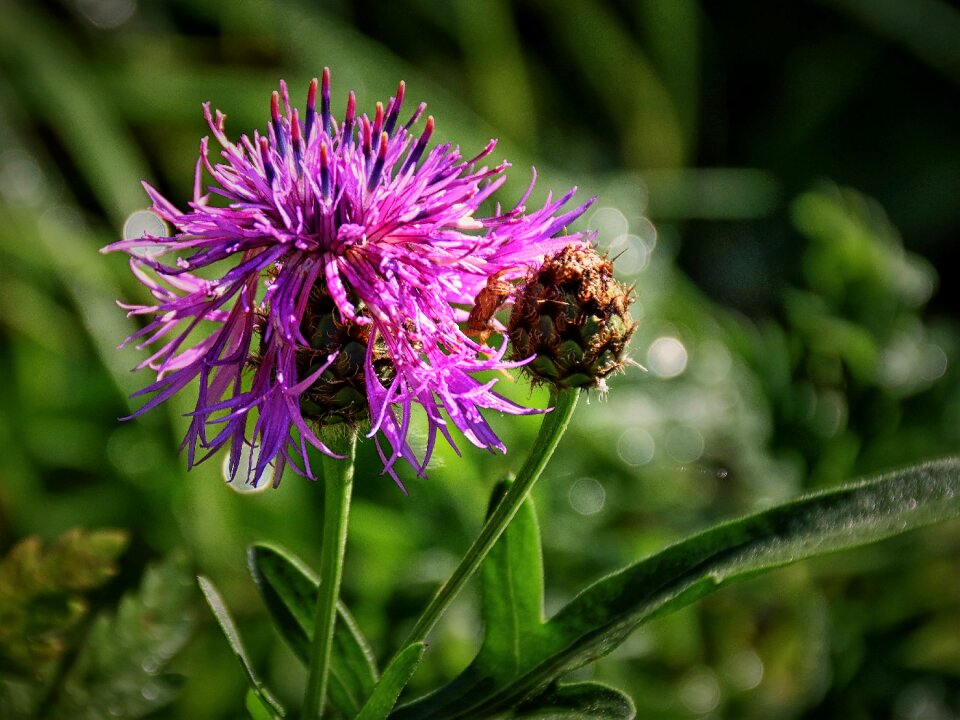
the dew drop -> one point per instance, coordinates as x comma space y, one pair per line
141, 223
106, 14
248, 461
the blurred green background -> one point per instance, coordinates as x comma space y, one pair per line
781, 183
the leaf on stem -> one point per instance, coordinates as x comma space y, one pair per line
229, 628
512, 592
578, 700
395, 678
512, 581
289, 590
257, 708
603, 615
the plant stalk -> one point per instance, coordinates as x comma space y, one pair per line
337, 485
551, 430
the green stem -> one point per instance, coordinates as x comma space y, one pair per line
337, 484
552, 429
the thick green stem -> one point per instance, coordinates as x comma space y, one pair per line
337, 484
552, 429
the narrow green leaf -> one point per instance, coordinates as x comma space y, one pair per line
512, 591
289, 590
603, 615
229, 628
395, 678
512, 577
578, 700
856, 514
257, 708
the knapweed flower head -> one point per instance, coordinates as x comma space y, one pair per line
571, 317
327, 275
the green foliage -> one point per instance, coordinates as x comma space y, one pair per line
865, 291
289, 590
512, 585
856, 260
394, 679
42, 594
114, 669
578, 700
266, 701
258, 707
525, 655
854, 345
819, 344
119, 670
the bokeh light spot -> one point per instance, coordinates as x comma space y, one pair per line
743, 670
700, 691
636, 446
684, 444
714, 362
609, 223
922, 700
587, 496
667, 357
934, 363
630, 254
646, 231
21, 179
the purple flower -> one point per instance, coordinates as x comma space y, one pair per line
358, 215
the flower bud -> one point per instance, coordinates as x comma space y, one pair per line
572, 315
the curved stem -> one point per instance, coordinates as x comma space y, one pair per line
552, 429
337, 484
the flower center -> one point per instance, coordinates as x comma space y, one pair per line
339, 395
